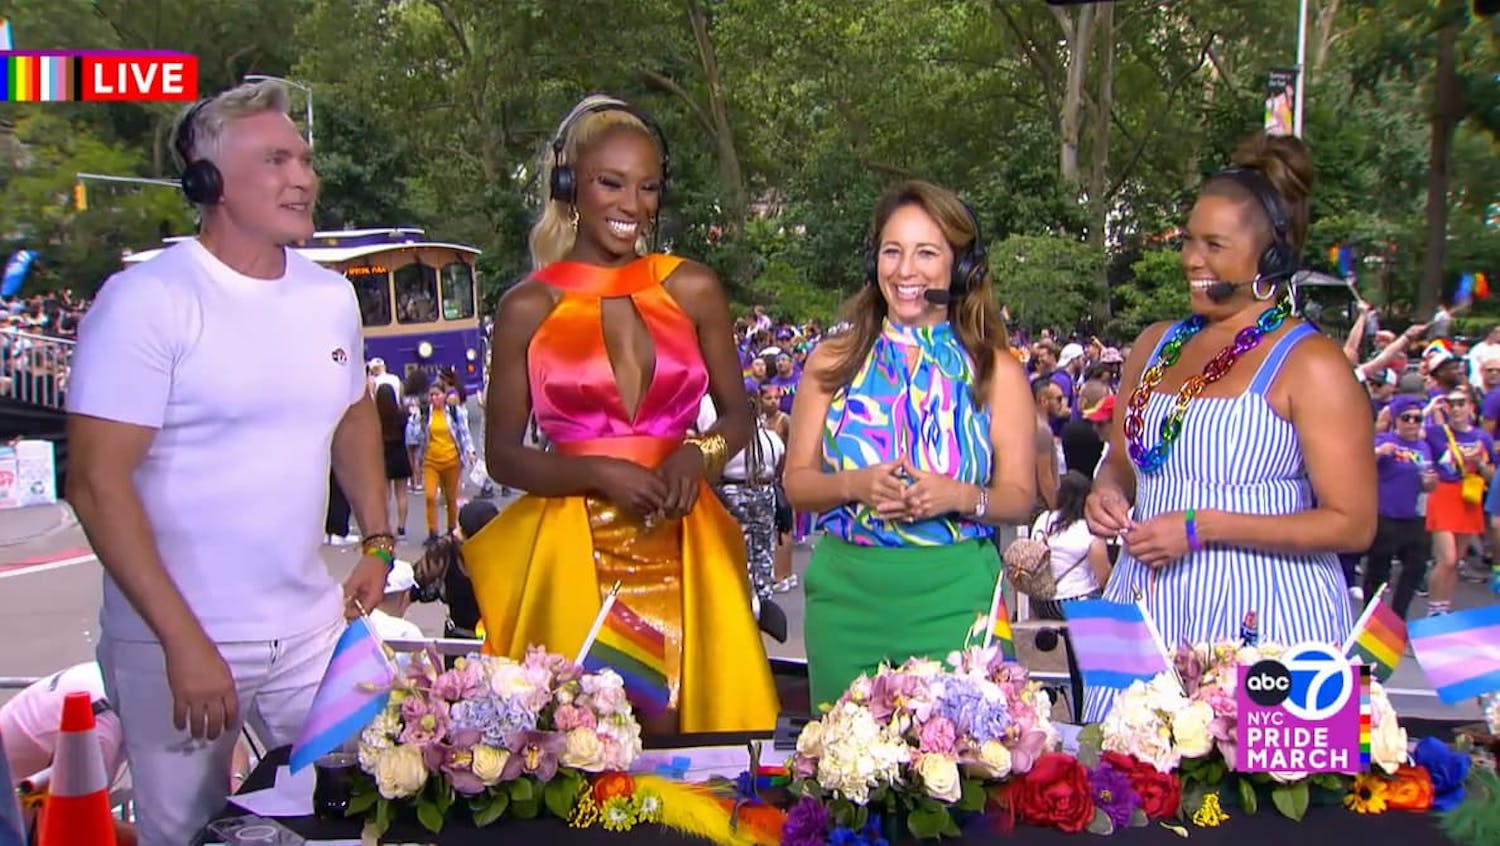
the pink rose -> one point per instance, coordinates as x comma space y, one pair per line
939, 735
614, 755
609, 700
569, 717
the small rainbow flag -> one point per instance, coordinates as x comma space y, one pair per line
1379, 639
996, 624
637, 651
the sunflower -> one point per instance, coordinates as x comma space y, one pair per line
1367, 795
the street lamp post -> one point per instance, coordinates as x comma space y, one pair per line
306, 91
1301, 67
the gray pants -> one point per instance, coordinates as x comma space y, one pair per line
754, 506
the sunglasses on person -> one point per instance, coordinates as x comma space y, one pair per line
1410, 418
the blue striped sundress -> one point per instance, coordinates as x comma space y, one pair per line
1235, 454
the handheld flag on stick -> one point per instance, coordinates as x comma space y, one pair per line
997, 624
1114, 643
1378, 637
1459, 652
353, 692
621, 641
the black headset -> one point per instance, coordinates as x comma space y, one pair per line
968, 267
1279, 261
563, 185
201, 181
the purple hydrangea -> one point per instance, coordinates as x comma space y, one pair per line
806, 824
964, 704
496, 720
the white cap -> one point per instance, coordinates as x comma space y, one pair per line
376, 362
402, 578
1069, 352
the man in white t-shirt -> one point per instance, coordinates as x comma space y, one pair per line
210, 388
382, 376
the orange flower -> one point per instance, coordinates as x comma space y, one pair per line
1367, 795
610, 785
1409, 789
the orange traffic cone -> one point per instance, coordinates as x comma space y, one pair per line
76, 812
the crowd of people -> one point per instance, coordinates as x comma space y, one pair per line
1218, 466
32, 367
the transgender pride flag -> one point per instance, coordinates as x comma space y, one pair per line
353, 692
1459, 652
1113, 642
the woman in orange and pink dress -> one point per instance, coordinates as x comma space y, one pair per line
613, 349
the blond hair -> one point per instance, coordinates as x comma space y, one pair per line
585, 126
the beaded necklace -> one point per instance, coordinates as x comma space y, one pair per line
1151, 460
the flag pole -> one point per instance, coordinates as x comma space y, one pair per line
1156, 636
588, 642
1364, 617
989, 624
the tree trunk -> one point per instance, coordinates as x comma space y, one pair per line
1327, 13
1078, 35
1099, 200
727, 154
1447, 103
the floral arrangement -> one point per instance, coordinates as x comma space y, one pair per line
939, 745
502, 737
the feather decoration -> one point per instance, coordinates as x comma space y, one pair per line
704, 812
1476, 822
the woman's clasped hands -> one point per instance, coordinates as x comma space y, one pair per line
898, 492
1157, 542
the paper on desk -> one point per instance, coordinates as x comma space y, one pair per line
698, 763
290, 797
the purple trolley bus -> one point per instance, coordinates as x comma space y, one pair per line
418, 298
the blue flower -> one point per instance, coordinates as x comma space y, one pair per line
494, 719
964, 704
1448, 770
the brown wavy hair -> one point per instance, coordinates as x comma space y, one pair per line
975, 315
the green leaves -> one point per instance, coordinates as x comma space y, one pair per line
930, 819
561, 793
1248, 800
1290, 799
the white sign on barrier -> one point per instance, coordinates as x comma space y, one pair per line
28, 474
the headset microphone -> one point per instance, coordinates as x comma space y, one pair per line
938, 296
1221, 291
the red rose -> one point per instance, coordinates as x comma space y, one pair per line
1055, 794
1161, 793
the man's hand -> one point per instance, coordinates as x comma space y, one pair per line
204, 699
366, 585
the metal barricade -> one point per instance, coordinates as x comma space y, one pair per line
34, 368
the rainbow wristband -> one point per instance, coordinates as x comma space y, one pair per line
1194, 543
384, 555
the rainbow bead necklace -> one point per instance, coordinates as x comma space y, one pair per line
1151, 460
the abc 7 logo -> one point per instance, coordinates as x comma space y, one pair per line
1312, 681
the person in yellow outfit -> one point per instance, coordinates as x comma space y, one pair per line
612, 350
447, 447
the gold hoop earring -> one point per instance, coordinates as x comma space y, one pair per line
573, 221
1255, 289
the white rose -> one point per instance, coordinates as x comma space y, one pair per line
1287, 776
994, 760
584, 751
1388, 744
810, 741
399, 772
940, 775
489, 762
509, 681
1190, 730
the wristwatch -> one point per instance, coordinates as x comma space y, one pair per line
983, 504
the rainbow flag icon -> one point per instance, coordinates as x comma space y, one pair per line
1379, 639
353, 692
637, 651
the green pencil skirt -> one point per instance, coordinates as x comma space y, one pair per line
868, 604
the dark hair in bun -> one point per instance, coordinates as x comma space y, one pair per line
1287, 165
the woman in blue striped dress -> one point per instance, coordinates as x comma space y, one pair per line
1243, 503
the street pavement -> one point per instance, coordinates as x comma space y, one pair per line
50, 595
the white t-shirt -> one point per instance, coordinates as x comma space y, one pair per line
244, 380
1069, 547
389, 627
771, 446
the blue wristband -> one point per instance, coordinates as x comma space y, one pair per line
1191, 516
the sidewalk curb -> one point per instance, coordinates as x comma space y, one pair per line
64, 519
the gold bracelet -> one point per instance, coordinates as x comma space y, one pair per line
714, 449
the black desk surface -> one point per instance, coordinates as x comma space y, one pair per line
1324, 825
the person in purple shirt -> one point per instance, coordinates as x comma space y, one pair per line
785, 377
1460, 449
1404, 464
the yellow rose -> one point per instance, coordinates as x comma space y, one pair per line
994, 760
488, 762
1190, 730
940, 775
810, 741
399, 772
585, 751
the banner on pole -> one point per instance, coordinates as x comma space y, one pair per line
1281, 99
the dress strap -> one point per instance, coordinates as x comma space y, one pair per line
1271, 367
